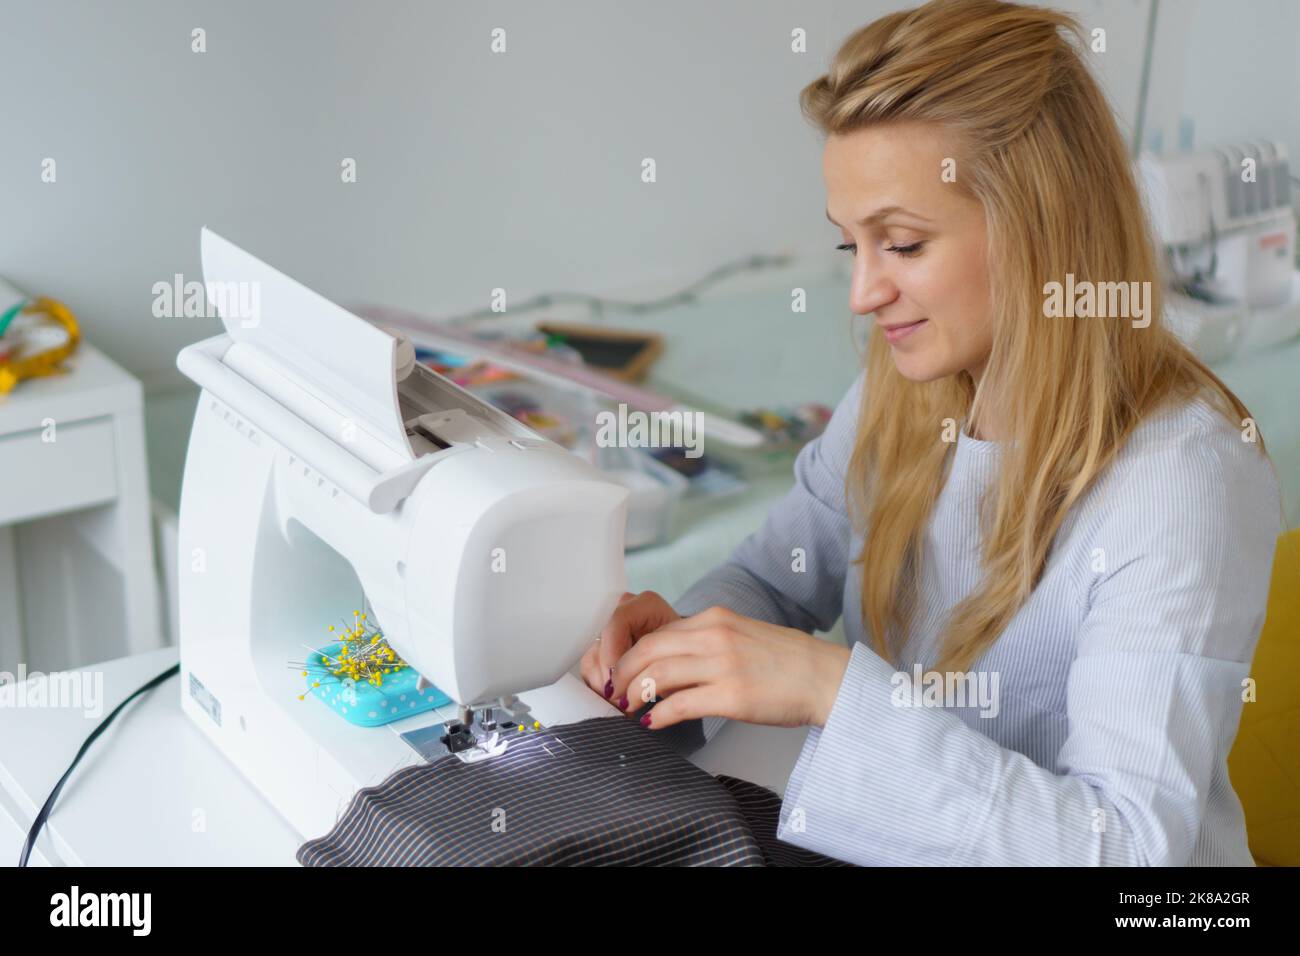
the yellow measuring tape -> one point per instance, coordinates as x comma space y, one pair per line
46, 362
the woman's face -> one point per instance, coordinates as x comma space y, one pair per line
918, 245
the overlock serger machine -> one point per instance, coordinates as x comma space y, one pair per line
329, 474
1225, 220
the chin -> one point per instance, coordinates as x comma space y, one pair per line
920, 367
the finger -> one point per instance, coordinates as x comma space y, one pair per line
658, 645
706, 700
667, 676
632, 617
614, 641
590, 669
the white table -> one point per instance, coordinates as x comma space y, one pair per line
154, 791
77, 577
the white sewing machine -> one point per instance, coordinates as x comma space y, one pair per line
328, 472
1225, 220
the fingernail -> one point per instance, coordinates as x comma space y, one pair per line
609, 688
622, 702
645, 721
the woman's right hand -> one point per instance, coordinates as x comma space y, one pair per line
635, 616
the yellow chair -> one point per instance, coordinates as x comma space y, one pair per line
1264, 764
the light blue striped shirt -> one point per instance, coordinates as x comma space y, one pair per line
1119, 684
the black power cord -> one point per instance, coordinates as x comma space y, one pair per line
41, 817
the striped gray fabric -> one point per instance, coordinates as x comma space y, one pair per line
600, 792
1118, 685
761, 809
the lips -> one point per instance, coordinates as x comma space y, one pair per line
899, 331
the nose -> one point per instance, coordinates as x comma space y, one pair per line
871, 288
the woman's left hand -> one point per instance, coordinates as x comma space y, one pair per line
721, 664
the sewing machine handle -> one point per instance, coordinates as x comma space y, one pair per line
379, 492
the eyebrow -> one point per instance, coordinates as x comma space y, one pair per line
882, 213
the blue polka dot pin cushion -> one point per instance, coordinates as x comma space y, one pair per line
364, 704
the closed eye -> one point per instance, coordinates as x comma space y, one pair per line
909, 250
912, 249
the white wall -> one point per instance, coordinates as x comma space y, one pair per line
1233, 67
475, 170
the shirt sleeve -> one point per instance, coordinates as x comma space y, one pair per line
1154, 697
791, 571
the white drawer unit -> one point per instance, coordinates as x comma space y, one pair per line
56, 469
77, 576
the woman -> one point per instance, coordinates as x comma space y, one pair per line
1071, 518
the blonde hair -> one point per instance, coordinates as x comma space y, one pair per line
1040, 150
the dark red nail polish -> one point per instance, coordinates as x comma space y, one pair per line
622, 702
645, 721
609, 688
